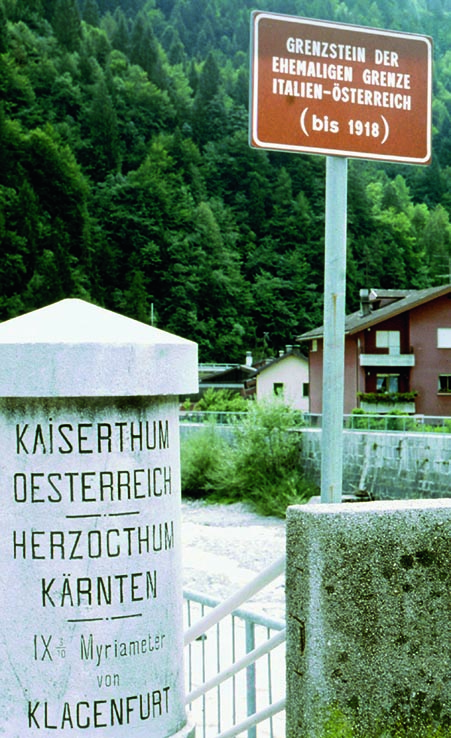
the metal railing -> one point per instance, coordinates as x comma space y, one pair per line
387, 422
220, 418
235, 664
210, 416
353, 421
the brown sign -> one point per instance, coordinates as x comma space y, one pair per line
324, 88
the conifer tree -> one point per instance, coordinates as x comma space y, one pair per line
208, 112
3, 30
120, 38
67, 24
145, 51
91, 13
103, 133
48, 7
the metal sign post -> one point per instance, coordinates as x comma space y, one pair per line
334, 321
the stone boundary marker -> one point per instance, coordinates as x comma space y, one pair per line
90, 554
368, 616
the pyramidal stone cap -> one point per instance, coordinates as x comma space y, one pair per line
75, 349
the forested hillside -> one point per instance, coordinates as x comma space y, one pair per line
126, 177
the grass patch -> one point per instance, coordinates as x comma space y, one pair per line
340, 728
339, 725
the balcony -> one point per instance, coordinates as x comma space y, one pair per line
387, 360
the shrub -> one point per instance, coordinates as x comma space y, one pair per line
261, 465
395, 420
222, 401
200, 453
400, 421
368, 421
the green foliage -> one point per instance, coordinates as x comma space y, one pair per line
126, 174
395, 420
66, 23
376, 397
368, 421
260, 466
224, 401
201, 453
339, 725
445, 428
91, 12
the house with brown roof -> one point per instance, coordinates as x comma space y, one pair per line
397, 353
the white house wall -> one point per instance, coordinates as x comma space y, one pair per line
292, 372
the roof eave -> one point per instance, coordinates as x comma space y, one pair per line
389, 311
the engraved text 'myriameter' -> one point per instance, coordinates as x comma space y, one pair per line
100, 652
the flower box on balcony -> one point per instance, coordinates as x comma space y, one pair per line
384, 408
387, 402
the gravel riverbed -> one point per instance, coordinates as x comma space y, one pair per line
226, 546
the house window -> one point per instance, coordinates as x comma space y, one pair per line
278, 389
443, 338
387, 383
444, 383
390, 340
305, 389
314, 345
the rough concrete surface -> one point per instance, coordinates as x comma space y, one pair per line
369, 606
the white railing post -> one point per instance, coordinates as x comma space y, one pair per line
250, 679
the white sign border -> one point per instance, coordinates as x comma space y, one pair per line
258, 15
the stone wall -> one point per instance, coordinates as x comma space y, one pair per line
388, 465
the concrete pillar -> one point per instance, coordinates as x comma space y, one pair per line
368, 618
91, 639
